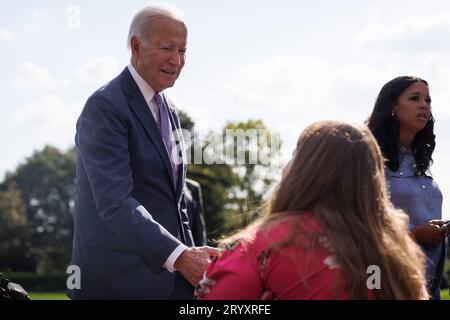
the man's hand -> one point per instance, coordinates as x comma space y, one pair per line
193, 261
429, 233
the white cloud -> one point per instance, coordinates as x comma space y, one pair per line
413, 45
37, 21
49, 111
33, 76
290, 91
39, 14
414, 35
6, 35
200, 113
95, 71
98, 70
50, 120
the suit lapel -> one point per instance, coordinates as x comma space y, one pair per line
140, 107
178, 135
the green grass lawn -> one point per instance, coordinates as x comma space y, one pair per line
48, 296
445, 295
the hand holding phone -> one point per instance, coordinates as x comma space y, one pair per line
446, 225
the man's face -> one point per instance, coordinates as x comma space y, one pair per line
160, 55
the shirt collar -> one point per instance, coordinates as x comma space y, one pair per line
143, 86
406, 158
404, 150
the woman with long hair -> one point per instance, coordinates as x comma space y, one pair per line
330, 231
403, 124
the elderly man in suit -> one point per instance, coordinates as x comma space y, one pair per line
132, 238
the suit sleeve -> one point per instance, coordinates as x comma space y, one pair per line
102, 142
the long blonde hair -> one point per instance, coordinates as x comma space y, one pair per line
337, 173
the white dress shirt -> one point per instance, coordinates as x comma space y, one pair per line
148, 94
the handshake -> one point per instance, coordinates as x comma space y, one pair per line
192, 262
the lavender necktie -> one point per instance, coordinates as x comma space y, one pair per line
164, 127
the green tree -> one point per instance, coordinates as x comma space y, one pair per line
14, 232
186, 122
233, 190
256, 152
46, 182
215, 180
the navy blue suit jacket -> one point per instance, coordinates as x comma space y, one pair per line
129, 216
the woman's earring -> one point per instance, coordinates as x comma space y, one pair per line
393, 114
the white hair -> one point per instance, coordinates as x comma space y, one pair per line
145, 16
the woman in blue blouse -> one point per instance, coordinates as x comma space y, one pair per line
402, 123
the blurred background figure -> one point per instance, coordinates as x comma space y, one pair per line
194, 205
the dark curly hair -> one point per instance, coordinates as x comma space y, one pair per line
386, 127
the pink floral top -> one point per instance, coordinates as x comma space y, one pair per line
255, 269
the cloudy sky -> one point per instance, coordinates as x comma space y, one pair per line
287, 62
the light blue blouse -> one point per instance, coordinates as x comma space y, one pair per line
421, 199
